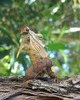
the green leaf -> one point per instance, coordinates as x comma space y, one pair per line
5, 41
56, 46
3, 53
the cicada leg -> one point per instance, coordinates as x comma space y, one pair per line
49, 64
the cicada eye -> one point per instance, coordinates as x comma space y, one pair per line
27, 29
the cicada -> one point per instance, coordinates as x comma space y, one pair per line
34, 47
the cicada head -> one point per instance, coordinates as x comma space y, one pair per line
25, 35
25, 31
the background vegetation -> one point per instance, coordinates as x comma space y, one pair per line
57, 20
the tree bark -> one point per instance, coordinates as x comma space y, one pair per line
16, 88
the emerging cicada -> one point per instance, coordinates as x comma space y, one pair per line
39, 58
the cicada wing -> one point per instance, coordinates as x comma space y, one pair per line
34, 36
38, 48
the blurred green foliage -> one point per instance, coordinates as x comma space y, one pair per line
57, 20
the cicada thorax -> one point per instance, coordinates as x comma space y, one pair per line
33, 54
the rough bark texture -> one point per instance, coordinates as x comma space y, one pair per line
16, 88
